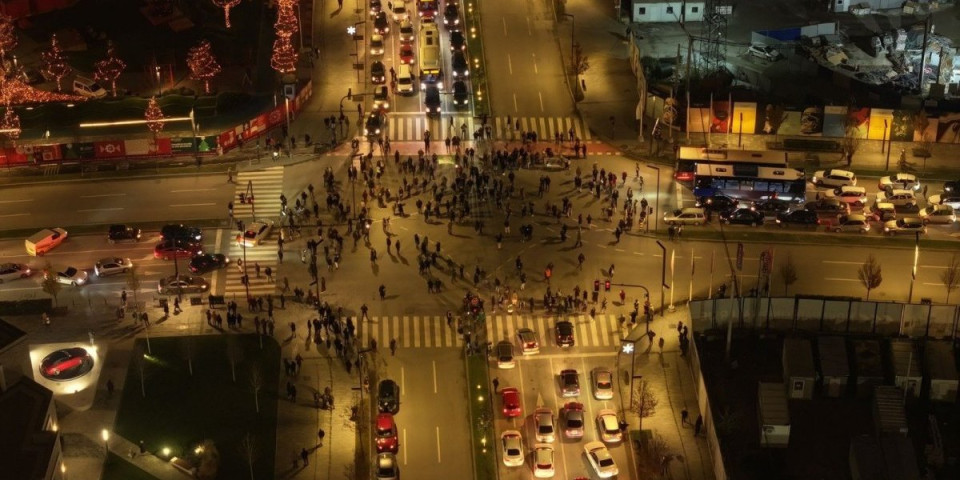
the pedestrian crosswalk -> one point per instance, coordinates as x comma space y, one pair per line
433, 332
411, 127
266, 185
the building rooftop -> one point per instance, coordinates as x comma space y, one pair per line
25, 444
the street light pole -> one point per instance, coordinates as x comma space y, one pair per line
656, 216
663, 276
913, 272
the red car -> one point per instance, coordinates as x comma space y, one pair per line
60, 364
406, 54
386, 434
170, 249
511, 402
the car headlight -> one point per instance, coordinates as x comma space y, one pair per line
386, 104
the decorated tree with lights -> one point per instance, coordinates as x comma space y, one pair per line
284, 59
10, 124
8, 35
54, 65
154, 116
226, 5
286, 24
203, 65
109, 69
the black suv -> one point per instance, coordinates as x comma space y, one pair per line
953, 186
460, 96
460, 67
432, 100
718, 203
207, 262
457, 41
181, 232
123, 233
388, 396
798, 217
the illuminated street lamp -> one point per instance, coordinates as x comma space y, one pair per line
105, 434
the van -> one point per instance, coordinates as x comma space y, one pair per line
404, 80
44, 240
88, 88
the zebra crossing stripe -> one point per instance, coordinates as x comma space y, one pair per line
410, 128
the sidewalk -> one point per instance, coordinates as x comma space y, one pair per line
669, 378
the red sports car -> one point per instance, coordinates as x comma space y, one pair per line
65, 364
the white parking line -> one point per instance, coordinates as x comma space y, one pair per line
100, 209
843, 279
104, 195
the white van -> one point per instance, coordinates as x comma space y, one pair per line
405, 80
44, 241
88, 88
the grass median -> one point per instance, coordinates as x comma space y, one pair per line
478, 78
481, 419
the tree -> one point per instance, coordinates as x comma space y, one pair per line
284, 58
851, 139
286, 24
773, 117
234, 354
54, 65
870, 275
209, 458
203, 65
644, 402
226, 5
50, 284
154, 115
256, 383
249, 451
8, 35
10, 124
655, 457
580, 61
950, 276
109, 69
788, 272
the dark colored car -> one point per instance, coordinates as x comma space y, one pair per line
798, 217
772, 208
460, 68
380, 23
451, 16
953, 186
208, 262
182, 284
743, 216
170, 249
181, 232
827, 205
460, 96
372, 127
569, 383
564, 334
431, 100
378, 73
388, 396
718, 203
123, 233
457, 41
376, 6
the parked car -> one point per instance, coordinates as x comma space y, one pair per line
510, 397
386, 467
207, 262
833, 178
608, 426
112, 266
388, 396
184, 283
543, 464
940, 214
569, 383
908, 225
764, 52
600, 459
512, 445
602, 383
572, 413
123, 233
13, 271
544, 424
386, 430
564, 334
743, 216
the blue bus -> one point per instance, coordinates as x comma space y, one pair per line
749, 182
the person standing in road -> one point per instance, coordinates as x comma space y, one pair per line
684, 415
393, 347
496, 384
698, 425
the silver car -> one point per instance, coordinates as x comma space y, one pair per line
686, 216
602, 381
943, 214
386, 467
13, 271
112, 266
70, 276
184, 283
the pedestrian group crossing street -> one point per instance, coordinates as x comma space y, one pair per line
412, 331
401, 127
267, 185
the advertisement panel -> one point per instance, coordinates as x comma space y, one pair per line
811, 121
229, 139
275, 116
858, 119
109, 149
902, 130
880, 122
147, 146
948, 128
47, 153
10, 157
925, 128
834, 121
698, 120
720, 117
744, 117
791, 123
81, 150
769, 119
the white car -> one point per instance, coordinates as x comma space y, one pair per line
70, 276
400, 13
545, 425
255, 233
406, 31
608, 426
529, 343
833, 178
386, 467
945, 198
13, 271
112, 266
902, 226
505, 359
765, 52
512, 444
543, 461
943, 214
686, 216
600, 459
905, 181
376, 44
898, 197
851, 194
602, 383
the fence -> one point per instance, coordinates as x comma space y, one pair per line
829, 315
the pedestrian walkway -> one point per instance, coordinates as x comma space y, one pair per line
402, 127
266, 185
433, 332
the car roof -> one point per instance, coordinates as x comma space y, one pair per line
852, 188
836, 171
692, 210
855, 217
384, 420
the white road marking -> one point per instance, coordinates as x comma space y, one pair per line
434, 362
403, 381
105, 195
842, 262
100, 209
15, 215
535, 69
405, 449
541, 100
504, 20
193, 190
936, 284
515, 109
509, 64
529, 28
567, 355
438, 444
843, 279
193, 205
